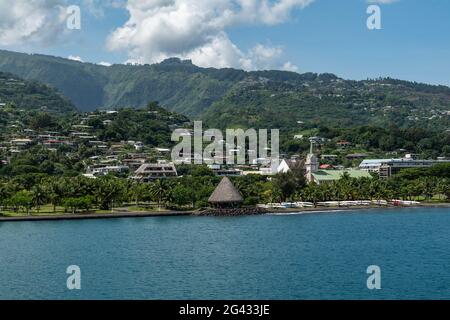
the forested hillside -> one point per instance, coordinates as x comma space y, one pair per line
31, 95
229, 97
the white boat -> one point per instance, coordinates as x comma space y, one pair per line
304, 204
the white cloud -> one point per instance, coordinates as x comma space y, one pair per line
42, 21
289, 66
75, 58
25, 20
105, 64
196, 29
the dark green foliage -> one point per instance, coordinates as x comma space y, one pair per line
337, 103
437, 171
287, 184
229, 97
31, 95
149, 125
428, 143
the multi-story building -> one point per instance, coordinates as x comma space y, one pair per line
152, 171
134, 163
388, 167
103, 170
20, 143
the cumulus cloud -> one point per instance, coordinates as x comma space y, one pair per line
105, 64
196, 29
75, 58
25, 20
289, 66
43, 21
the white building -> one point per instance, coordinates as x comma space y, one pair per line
103, 170
387, 167
152, 171
287, 165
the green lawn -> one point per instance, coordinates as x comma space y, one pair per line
48, 210
44, 211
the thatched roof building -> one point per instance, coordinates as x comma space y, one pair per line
226, 195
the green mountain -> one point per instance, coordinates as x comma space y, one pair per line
31, 95
176, 84
228, 97
331, 101
152, 125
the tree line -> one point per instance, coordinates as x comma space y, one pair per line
192, 190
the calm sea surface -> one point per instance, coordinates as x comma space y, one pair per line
309, 256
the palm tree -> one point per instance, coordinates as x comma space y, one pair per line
160, 190
55, 191
136, 191
39, 197
108, 191
325, 192
4, 195
442, 187
312, 193
335, 193
374, 189
428, 186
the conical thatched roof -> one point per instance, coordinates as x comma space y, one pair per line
226, 192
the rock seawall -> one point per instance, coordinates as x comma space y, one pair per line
232, 212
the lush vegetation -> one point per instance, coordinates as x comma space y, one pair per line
31, 95
79, 194
179, 85
376, 142
228, 97
380, 118
152, 125
333, 102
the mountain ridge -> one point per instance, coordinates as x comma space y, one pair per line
237, 97
31, 95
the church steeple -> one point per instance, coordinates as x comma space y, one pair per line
311, 164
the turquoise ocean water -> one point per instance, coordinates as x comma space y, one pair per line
301, 256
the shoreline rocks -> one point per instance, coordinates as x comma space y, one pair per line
232, 212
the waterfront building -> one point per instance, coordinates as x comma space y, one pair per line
226, 195
325, 176
314, 174
289, 165
152, 171
388, 167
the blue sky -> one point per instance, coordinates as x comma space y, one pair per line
321, 36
